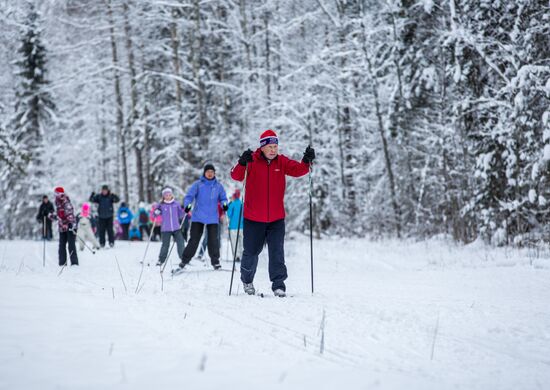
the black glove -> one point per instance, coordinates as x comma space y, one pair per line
72, 228
224, 206
309, 155
246, 157
187, 208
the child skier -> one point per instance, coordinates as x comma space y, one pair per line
172, 215
157, 222
85, 231
125, 217
143, 221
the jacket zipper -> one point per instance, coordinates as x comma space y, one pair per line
171, 220
268, 165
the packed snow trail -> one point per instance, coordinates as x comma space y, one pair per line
396, 315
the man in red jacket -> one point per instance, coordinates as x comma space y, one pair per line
264, 210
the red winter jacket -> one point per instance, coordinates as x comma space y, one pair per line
65, 212
266, 184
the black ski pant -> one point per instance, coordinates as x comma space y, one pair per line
67, 238
145, 231
193, 243
47, 233
125, 231
106, 225
256, 234
156, 233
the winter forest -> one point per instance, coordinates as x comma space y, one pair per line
427, 116
409, 139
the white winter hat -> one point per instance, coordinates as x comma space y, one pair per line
166, 191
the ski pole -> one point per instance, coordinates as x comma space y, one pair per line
84, 243
144, 255
44, 242
311, 223
230, 244
238, 229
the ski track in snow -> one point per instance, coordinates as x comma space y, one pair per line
483, 312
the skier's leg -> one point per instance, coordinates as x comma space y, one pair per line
81, 237
239, 244
88, 236
72, 248
276, 248
62, 248
125, 231
254, 238
110, 231
157, 233
91, 238
102, 227
204, 244
213, 243
165, 237
233, 240
49, 233
180, 243
193, 243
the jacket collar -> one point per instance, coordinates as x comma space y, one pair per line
260, 156
206, 181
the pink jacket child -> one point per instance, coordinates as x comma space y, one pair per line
155, 219
85, 231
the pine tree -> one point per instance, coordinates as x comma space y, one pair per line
34, 117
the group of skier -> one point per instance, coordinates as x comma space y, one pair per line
261, 220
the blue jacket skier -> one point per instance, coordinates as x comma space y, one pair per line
204, 196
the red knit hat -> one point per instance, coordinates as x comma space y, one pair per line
59, 190
268, 137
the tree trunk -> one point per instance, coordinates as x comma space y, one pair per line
136, 143
196, 53
381, 131
267, 62
119, 104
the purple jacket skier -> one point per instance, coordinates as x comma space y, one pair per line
172, 217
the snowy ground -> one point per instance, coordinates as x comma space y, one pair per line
397, 315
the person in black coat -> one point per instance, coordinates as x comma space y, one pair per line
45, 209
105, 209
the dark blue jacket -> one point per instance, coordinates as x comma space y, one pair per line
105, 204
